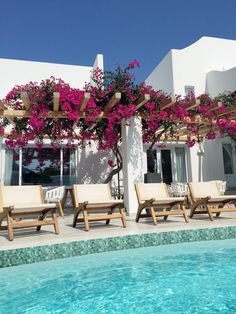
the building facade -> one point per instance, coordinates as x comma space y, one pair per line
207, 66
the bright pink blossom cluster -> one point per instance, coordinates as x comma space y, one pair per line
103, 124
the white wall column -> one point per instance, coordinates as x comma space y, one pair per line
132, 153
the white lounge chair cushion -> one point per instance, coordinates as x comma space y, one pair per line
29, 194
204, 189
147, 191
92, 193
222, 198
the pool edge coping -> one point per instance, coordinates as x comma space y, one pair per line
34, 254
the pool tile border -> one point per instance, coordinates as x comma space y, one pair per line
36, 254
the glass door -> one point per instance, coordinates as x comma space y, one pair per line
166, 166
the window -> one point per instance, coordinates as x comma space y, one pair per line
228, 158
44, 166
11, 176
189, 89
41, 166
180, 164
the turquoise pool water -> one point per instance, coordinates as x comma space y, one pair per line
195, 277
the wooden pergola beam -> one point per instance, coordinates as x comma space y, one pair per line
84, 102
3, 107
27, 114
205, 130
56, 97
227, 111
182, 131
112, 102
82, 107
169, 104
195, 119
99, 118
25, 98
193, 104
215, 107
142, 101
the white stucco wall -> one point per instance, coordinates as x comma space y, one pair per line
190, 65
218, 82
93, 164
161, 77
210, 66
17, 72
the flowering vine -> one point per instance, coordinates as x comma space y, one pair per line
159, 121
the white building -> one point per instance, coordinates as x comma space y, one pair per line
207, 66
16, 72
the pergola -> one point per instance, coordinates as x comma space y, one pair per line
179, 132
173, 129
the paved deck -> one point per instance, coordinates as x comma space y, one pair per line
29, 237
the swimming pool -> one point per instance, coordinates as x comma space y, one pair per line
195, 277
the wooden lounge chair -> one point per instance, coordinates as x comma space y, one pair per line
17, 202
91, 198
156, 195
207, 199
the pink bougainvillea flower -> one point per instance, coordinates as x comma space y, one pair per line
111, 163
190, 143
210, 135
134, 63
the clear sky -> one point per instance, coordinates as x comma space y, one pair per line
74, 31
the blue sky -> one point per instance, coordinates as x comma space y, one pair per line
74, 31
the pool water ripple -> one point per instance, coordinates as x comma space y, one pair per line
180, 278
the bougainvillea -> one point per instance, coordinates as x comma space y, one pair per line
158, 120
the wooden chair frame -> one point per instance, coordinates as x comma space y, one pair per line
87, 208
153, 203
204, 205
14, 219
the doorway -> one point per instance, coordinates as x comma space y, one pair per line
166, 166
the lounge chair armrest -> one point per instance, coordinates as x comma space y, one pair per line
200, 201
148, 202
8, 208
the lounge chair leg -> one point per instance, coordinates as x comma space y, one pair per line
192, 212
76, 216
60, 210
54, 217
122, 217
110, 212
218, 214
166, 217
184, 214
140, 208
153, 215
42, 217
209, 213
85, 214
9, 227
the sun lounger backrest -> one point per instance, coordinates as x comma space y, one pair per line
204, 189
147, 191
91, 193
18, 195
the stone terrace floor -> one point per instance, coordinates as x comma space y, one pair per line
29, 237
